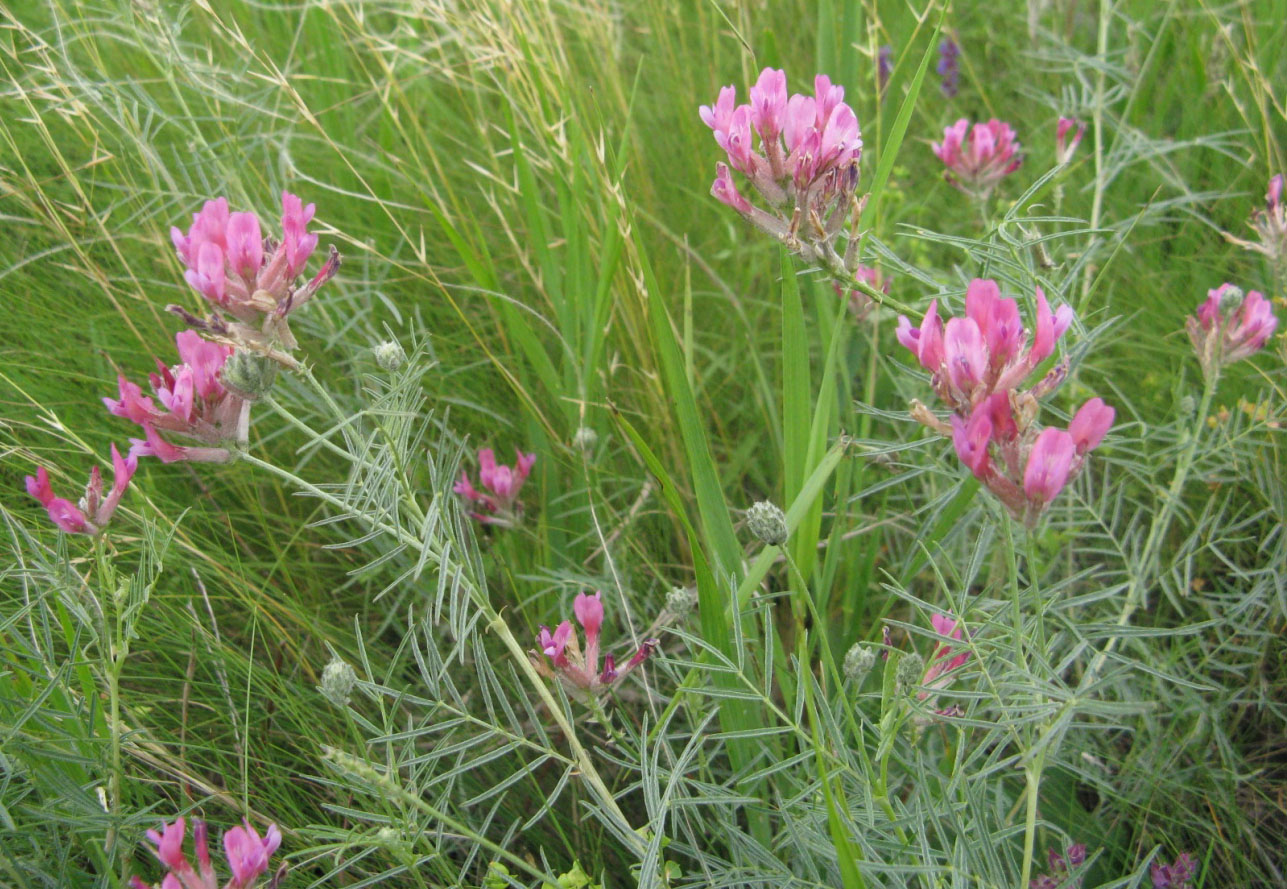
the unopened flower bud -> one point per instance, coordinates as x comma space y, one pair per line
249, 375
338, 680
585, 439
389, 355
911, 667
858, 662
1231, 297
1188, 404
681, 600
767, 522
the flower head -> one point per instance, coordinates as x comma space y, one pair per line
986, 351
194, 404
948, 67
499, 504
250, 277
1065, 147
246, 852
1269, 224
1230, 326
978, 158
946, 657
94, 511
800, 154
1178, 875
884, 67
560, 651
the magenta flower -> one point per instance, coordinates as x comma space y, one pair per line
1061, 868
246, 852
562, 655
1270, 224
1178, 875
799, 152
94, 511
978, 158
194, 404
946, 657
1022, 466
501, 506
1230, 326
248, 276
986, 351
1065, 148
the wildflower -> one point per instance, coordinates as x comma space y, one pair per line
805, 168
249, 277
1230, 326
978, 158
501, 506
681, 600
1178, 875
860, 302
195, 404
884, 67
987, 351
1270, 224
943, 660
338, 681
1023, 466
246, 853
94, 511
948, 68
1061, 869
768, 523
1064, 147
560, 653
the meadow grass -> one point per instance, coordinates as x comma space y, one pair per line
520, 194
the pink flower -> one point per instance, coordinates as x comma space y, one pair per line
501, 506
196, 406
987, 350
1230, 326
1090, 424
1065, 147
1174, 876
247, 856
226, 262
1270, 224
804, 165
971, 439
978, 158
1050, 464
95, 510
943, 660
581, 673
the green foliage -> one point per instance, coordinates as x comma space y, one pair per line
519, 192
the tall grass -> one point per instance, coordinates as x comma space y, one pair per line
519, 190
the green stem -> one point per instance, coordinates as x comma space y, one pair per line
1033, 774
1157, 529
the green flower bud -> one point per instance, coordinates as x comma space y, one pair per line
585, 439
911, 667
681, 600
858, 662
338, 680
767, 522
389, 355
249, 375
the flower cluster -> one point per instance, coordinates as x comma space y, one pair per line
205, 399
1065, 148
978, 157
249, 277
94, 510
1178, 875
560, 654
948, 68
194, 404
977, 364
1230, 326
1270, 224
805, 168
501, 506
246, 852
1060, 869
